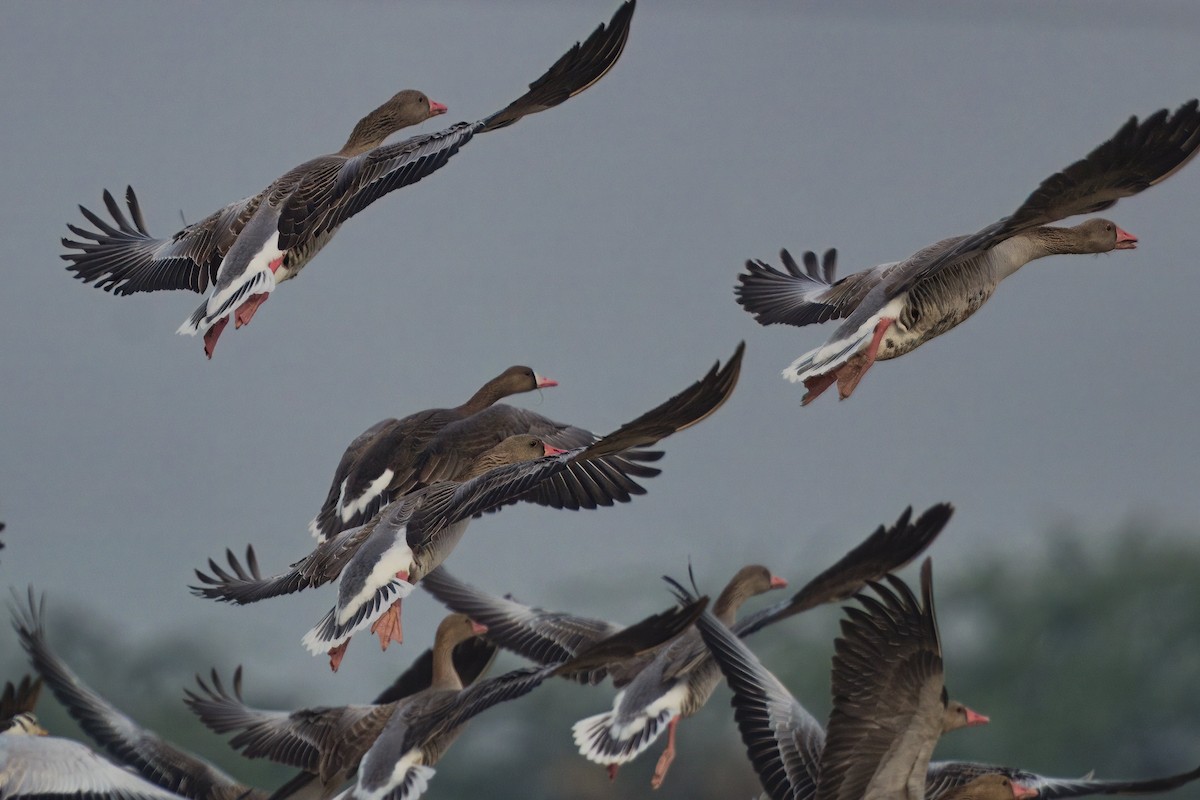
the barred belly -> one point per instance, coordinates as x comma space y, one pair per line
936, 305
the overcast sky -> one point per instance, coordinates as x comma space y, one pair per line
597, 243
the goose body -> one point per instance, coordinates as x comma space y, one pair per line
50, 768
376, 467
892, 309
240, 253
414, 534
410, 538
162, 763
393, 747
676, 683
785, 742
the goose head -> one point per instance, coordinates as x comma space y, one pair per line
405, 108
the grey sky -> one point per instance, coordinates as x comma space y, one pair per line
598, 243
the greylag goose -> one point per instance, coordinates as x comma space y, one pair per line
20, 698
35, 765
363, 481
397, 554
167, 765
946, 776
785, 742
894, 308
887, 665
549, 636
394, 746
672, 685
380, 562
396, 457
247, 248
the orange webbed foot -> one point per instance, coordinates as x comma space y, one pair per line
388, 627
337, 654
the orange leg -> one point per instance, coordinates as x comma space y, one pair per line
388, 628
337, 654
612, 772
817, 384
664, 761
212, 334
847, 384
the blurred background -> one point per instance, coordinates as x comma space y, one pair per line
599, 243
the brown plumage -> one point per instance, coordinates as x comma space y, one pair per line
894, 308
247, 248
381, 459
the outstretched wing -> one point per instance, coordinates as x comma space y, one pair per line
1138, 156
326, 741
365, 178
784, 741
123, 258
803, 296
49, 768
245, 584
886, 550
545, 637
588, 484
500, 485
946, 776
579, 68
156, 759
888, 694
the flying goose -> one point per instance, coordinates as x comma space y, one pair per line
165, 764
396, 457
364, 478
893, 308
549, 636
244, 250
393, 747
36, 766
784, 741
380, 562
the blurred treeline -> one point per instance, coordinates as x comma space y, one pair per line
1086, 655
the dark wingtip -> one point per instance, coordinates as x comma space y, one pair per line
577, 70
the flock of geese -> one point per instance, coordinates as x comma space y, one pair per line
406, 489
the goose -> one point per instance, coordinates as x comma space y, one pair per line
396, 457
363, 481
36, 765
550, 636
158, 761
165, 764
944, 777
784, 741
243, 251
887, 665
19, 698
894, 308
398, 553
394, 747
378, 563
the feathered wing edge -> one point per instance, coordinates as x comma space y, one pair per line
158, 761
580, 67
886, 550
